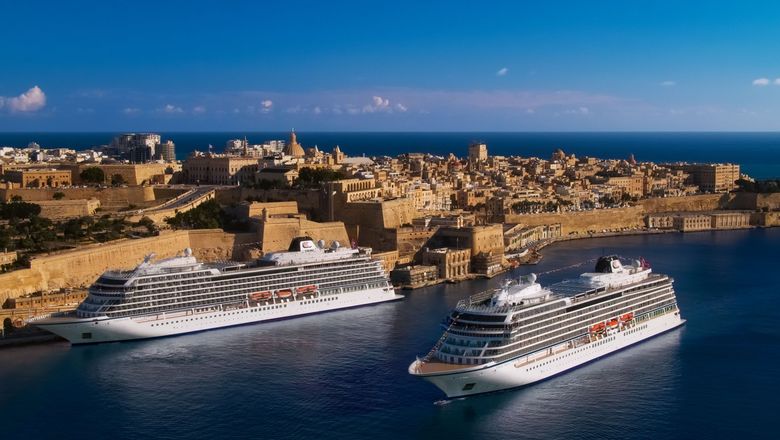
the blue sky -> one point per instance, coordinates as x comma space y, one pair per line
393, 66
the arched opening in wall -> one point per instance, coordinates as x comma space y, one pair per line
8, 326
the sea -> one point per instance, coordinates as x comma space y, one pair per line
343, 375
757, 153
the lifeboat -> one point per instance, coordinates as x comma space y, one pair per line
306, 289
260, 296
612, 322
597, 327
284, 293
627, 317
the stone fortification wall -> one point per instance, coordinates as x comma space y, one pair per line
277, 233
631, 217
753, 201
704, 202
80, 267
372, 223
309, 201
215, 244
582, 222
64, 209
108, 197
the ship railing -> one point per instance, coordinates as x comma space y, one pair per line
475, 299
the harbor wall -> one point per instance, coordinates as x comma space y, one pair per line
80, 267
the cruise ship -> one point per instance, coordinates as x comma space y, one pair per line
181, 295
523, 332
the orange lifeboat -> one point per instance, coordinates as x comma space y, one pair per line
597, 327
612, 322
306, 289
627, 317
284, 293
260, 296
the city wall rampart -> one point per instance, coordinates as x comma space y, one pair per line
80, 267
703, 202
108, 197
584, 221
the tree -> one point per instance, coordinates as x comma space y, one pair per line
58, 195
93, 175
148, 224
314, 177
19, 210
117, 180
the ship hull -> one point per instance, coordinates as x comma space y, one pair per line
516, 373
96, 330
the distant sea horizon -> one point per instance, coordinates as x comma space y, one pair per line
758, 153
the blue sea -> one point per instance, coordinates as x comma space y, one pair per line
758, 153
342, 375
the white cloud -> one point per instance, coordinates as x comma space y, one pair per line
669, 83
266, 105
32, 100
199, 109
317, 110
171, 109
131, 110
502, 71
380, 104
777, 81
578, 111
761, 82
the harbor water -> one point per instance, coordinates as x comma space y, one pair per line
343, 374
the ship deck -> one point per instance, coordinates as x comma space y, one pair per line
434, 366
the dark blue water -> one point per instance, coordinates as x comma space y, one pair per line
758, 153
343, 374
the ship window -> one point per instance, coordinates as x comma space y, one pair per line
87, 335
468, 386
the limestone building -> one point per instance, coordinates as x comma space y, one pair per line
712, 177
39, 178
220, 169
452, 263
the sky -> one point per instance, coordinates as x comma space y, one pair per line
389, 66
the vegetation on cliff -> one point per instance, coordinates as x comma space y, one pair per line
93, 175
23, 229
207, 215
308, 178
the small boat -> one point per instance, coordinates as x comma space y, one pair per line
284, 293
612, 322
597, 327
260, 296
627, 317
306, 289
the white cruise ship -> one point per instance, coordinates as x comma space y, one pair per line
181, 295
523, 333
